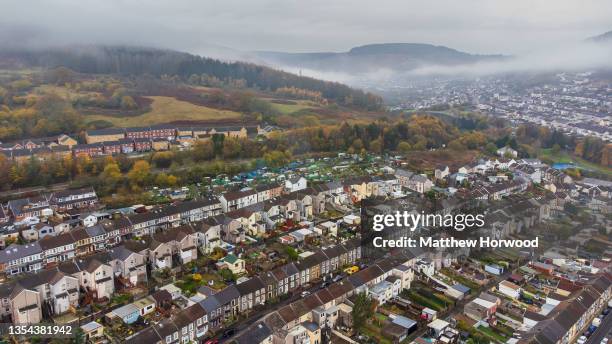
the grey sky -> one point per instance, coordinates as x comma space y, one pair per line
479, 26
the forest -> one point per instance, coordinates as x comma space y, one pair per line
132, 61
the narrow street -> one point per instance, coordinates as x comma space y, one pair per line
603, 330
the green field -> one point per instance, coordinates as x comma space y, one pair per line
565, 157
287, 109
168, 109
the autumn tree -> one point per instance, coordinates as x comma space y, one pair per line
139, 173
5, 168
277, 158
111, 175
203, 150
128, 103
163, 159
404, 147
231, 148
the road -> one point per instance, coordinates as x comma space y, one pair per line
34, 189
603, 330
243, 325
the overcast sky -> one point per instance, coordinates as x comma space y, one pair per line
479, 26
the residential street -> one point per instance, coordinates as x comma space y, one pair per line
602, 331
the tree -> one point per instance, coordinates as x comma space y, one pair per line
292, 253
165, 180
276, 158
163, 159
376, 146
404, 147
606, 155
128, 103
227, 274
203, 150
139, 173
231, 148
363, 308
161, 180
111, 175
172, 180
491, 148
54, 115
456, 145
79, 336
5, 168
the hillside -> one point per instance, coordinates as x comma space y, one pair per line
46, 93
604, 37
136, 61
373, 57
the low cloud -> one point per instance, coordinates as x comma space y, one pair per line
576, 57
580, 56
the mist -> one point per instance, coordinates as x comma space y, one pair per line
580, 56
540, 35
198, 26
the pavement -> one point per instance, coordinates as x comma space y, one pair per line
603, 330
243, 325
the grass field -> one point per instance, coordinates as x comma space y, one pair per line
287, 109
565, 157
167, 109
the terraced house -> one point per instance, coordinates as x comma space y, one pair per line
571, 317
95, 275
128, 266
16, 259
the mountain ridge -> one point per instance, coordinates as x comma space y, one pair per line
372, 57
159, 62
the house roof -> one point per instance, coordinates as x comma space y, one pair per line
126, 310
120, 252
339, 289
148, 335
189, 315
287, 314
210, 304
51, 242
161, 296
256, 334
15, 251
250, 286
72, 192
234, 195
226, 295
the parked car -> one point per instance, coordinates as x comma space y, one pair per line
228, 333
596, 322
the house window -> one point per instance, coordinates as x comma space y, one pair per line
168, 339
